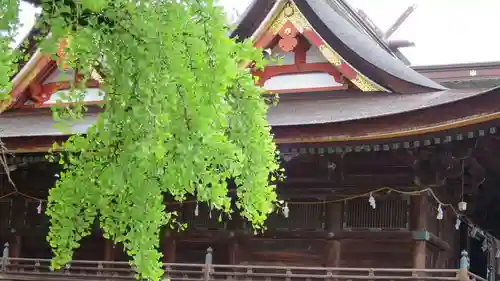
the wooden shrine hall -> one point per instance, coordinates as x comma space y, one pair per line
390, 175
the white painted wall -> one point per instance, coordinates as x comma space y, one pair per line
285, 58
314, 55
59, 75
300, 81
91, 95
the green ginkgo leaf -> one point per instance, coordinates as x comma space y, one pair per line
179, 119
94, 5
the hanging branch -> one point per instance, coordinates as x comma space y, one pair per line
4, 163
9, 23
172, 86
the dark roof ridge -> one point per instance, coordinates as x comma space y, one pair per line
363, 53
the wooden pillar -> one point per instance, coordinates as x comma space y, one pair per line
333, 257
169, 247
109, 250
18, 226
419, 224
333, 226
16, 245
233, 248
234, 226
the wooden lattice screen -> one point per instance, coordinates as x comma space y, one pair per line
302, 216
33, 220
6, 205
205, 220
391, 213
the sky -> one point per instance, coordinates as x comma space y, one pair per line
444, 31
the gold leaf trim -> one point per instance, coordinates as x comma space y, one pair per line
291, 13
330, 55
361, 81
364, 85
4, 104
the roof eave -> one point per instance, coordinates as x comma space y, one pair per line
380, 66
461, 119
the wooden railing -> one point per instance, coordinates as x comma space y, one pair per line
32, 269
39, 270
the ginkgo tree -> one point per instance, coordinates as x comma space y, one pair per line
181, 116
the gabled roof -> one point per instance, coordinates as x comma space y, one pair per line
40, 81
476, 75
328, 20
353, 17
384, 117
402, 104
345, 106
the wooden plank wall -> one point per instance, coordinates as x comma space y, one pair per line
315, 234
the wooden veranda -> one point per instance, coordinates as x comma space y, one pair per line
23, 269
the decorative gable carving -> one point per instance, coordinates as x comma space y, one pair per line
296, 65
44, 81
289, 34
52, 85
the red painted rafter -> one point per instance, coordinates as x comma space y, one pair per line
45, 91
298, 68
269, 38
31, 86
289, 39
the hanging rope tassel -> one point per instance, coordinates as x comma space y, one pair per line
372, 202
286, 210
440, 213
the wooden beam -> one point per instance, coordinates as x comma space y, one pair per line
334, 213
169, 247
233, 249
334, 254
15, 247
109, 250
18, 227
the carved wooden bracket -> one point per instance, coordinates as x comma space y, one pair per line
289, 40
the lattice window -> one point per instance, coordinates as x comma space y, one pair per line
391, 213
205, 220
302, 216
35, 220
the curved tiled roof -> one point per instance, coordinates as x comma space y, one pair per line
347, 117
308, 109
335, 106
361, 52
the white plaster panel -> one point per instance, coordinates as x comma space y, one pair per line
59, 75
91, 95
284, 58
314, 55
300, 81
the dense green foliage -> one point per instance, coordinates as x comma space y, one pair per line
8, 25
181, 117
